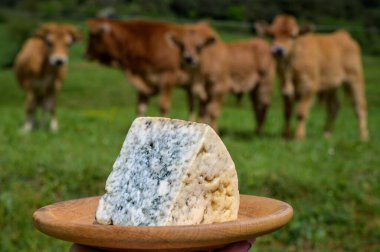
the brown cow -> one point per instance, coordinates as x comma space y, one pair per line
205, 58
40, 68
316, 63
140, 49
251, 69
218, 67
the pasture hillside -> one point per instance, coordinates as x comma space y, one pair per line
332, 184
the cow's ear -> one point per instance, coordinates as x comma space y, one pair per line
39, 33
305, 29
262, 28
209, 41
203, 24
173, 40
43, 30
74, 32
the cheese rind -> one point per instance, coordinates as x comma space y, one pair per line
170, 172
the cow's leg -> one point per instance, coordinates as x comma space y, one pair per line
30, 111
261, 96
144, 91
302, 113
202, 93
239, 98
203, 111
137, 82
165, 99
49, 106
44, 115
213, 110
257, 107
360, 103
265, 92
332, 104
142, 104
288, 109
263, 108
288, 95
41, 100
190, 103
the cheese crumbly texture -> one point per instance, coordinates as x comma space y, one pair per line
170, 172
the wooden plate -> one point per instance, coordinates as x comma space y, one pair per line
73, 221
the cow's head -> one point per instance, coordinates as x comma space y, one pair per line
101, 44
191, 41
58, 38
285, 31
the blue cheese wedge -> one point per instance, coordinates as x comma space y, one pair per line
170, 172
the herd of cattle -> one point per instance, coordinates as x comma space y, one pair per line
157, 57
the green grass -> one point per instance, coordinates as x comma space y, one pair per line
333, 184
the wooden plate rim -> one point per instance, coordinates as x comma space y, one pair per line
207, 234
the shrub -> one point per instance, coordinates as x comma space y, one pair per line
15, 31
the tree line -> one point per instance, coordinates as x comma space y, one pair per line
366, 12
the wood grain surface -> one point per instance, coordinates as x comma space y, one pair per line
73, 221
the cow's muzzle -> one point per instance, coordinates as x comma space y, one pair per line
58, 60
277, 51
188, 60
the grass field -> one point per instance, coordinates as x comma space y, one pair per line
332, 184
